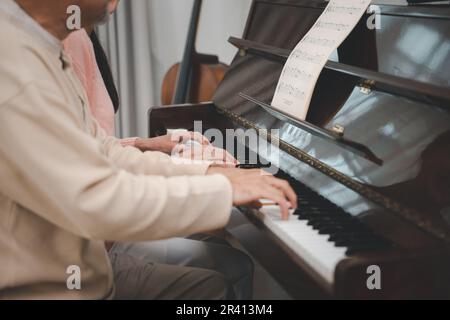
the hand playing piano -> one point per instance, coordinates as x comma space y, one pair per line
188, 145
169, 142
199, 152
249, 186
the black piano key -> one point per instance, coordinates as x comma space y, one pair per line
352, 236
304, 201
363, 248
329, 217
356, 241
359, 240
316, 219
314, 211
336, 229
335, 225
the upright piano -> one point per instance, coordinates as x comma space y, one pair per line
370, 165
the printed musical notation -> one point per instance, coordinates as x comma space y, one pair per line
296, 73
301, 72
333, 26
319, 41
343, 9
292, 90
311, 57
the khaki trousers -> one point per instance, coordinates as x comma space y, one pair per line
181, 269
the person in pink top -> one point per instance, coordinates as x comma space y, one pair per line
80, 48
215, 254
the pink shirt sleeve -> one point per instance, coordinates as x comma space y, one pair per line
79, 48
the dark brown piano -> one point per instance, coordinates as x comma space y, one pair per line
376, 195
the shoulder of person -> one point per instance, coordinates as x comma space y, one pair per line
13, 74
23, 61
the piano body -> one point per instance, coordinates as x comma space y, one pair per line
377, 196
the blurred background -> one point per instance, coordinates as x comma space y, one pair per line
144, 38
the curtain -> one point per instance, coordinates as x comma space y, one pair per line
145, 37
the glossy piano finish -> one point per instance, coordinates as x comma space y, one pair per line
416, 48
411, 137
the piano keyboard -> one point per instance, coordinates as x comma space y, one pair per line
319, 232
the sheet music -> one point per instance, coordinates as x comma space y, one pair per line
301, 72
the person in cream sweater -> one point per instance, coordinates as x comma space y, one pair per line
66, 187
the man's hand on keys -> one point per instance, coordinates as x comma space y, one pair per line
249, 186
